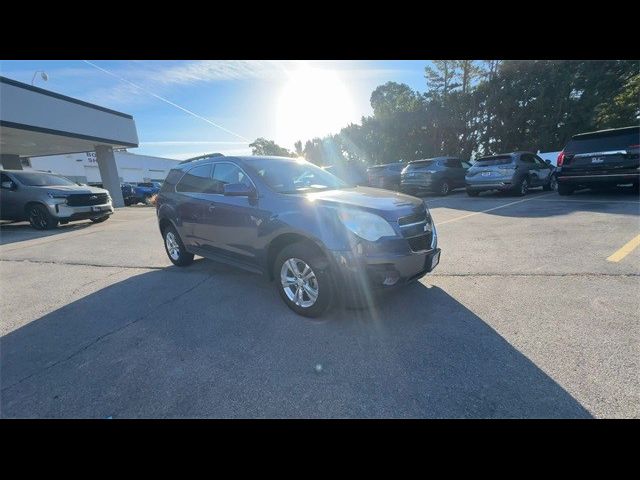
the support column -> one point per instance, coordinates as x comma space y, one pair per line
10, 162
109, 173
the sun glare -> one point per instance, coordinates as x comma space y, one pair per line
314, 102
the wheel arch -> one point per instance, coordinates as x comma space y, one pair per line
283, 240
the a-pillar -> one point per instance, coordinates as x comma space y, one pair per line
10, 162
109, 173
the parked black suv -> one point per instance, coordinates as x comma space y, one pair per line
604, 158
318, 237
438, 175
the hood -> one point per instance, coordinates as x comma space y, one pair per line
386, 203
69, 189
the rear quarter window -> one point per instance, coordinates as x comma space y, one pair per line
172, 178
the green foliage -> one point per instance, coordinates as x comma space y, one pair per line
262, 146
474, 108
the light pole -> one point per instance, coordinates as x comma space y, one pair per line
43, 75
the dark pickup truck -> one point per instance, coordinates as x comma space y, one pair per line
600, 159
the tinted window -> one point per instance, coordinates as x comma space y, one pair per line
497, 160
540, 162
453, 163
528, 159
4, 178
171, 180
421, 164
397, 167
197, 180
604, 142
224, 173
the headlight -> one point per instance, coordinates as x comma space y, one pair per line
366, 225
58, 196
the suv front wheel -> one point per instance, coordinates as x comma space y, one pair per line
40, 218
303, 280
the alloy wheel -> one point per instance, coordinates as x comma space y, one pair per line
299, 282
172, 246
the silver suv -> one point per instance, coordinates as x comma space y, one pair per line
46, 199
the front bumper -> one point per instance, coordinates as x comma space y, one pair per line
64, 212
362, 276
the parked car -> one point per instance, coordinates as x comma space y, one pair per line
385, 176
350, 172
46, 199
436, 175
143, 191
600, 159
126, 188
516, 172
320, 239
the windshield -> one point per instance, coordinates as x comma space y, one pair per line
421, 164
42, 179
490, 161
294, 176
150, 185
604, 142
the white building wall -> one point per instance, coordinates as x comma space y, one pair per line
83, 167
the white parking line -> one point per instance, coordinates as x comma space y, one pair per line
438, 224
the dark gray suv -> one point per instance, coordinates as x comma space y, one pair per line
436, 175
516, 172
319, 238
46, 199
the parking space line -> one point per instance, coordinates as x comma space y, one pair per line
625, 250
490, 209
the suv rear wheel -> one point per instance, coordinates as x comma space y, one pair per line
40, 218
175, 248
564, 189
303, 279
445, 188
522, 188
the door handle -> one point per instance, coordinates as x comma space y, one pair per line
212, 207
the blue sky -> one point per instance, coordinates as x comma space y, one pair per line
279, 100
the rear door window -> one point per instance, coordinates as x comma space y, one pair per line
491, 161
197, 180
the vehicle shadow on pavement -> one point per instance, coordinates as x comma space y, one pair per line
20, 231
621, 201
210, 341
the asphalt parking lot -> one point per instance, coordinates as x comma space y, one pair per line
524, 317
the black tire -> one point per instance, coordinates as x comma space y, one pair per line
180, 257
100, 219
40, 218
472, 193
564, 189
320, 268
522, 187
444, 188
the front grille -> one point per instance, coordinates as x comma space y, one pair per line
422, 242
86, 199
415, 218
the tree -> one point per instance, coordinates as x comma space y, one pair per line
298, 147
441, 78
392, 98
262, 146
624, 109
469, 73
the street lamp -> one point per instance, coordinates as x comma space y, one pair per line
43, 75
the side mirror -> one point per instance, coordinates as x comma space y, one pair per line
239, 190
9, 185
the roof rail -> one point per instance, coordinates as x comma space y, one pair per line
201, 157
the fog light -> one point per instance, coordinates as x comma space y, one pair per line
391, 279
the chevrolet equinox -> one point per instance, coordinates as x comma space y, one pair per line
320, 239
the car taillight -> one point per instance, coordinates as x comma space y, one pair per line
560, 158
